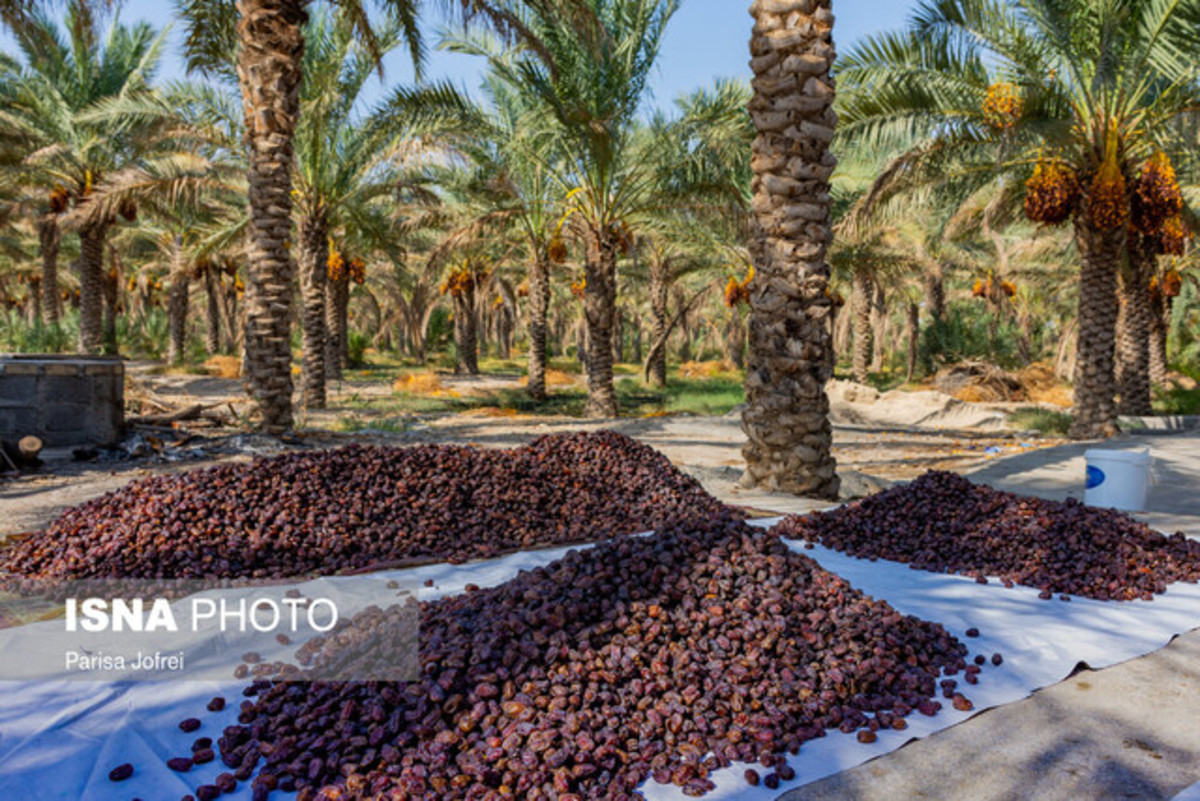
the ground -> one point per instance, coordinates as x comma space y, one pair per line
1128, 730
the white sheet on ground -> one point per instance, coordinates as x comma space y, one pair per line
60, 739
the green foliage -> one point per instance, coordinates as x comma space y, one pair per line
356, 345
144, 335
1183, 336
965, 334
1047, 422
18, 336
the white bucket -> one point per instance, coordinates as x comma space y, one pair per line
1118, 479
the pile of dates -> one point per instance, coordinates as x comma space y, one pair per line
665, 657
944, 523
360, 507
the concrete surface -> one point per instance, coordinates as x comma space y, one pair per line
1058, 473
1128, 731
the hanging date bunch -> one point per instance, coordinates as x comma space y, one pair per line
1051, 193
1107, 202
1003, 106
556, 251
336, 264
1174, 236
459, 282
1172, 283
621, 236
988, 288
357, 270
59, 200
1157, 197
738, 292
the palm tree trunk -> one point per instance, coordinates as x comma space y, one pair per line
860, 301
49, 239
599, 306
1159, 313
91, 287
618, 337
1135, 333
111, 284
638, 347
177, 303
879, 329
212, 319
791, 356
337, 346
914, 339
1119, 354
466, 331
1100, 252
734, 340
33, 299
233, 320
935, 293
539, 306
660, 285
314, 266
270, 48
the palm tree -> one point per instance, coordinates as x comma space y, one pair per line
268, 39
588, 72
791, 356
68, 150
345, 164
1085, 91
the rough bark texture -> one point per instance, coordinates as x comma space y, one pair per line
466, 331
879, 329
1095, 409
212, 318
112, 294
271, 45
1160, 313
599, 307
734, 339
660, 285
91, 287
860, 302
49, 239
913, 336
177, 303
618, 337
34, 304
935, 293
539, 306
337, 327
791, 356
1135, 331
313, 232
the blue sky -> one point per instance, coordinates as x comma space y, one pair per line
707, 39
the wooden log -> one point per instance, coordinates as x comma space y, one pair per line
30, 447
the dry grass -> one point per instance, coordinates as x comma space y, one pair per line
1043, 386
492, 412
554, 378
976, 393
426, 383
705, 369
224, 366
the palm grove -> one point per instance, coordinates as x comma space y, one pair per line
1011, 171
